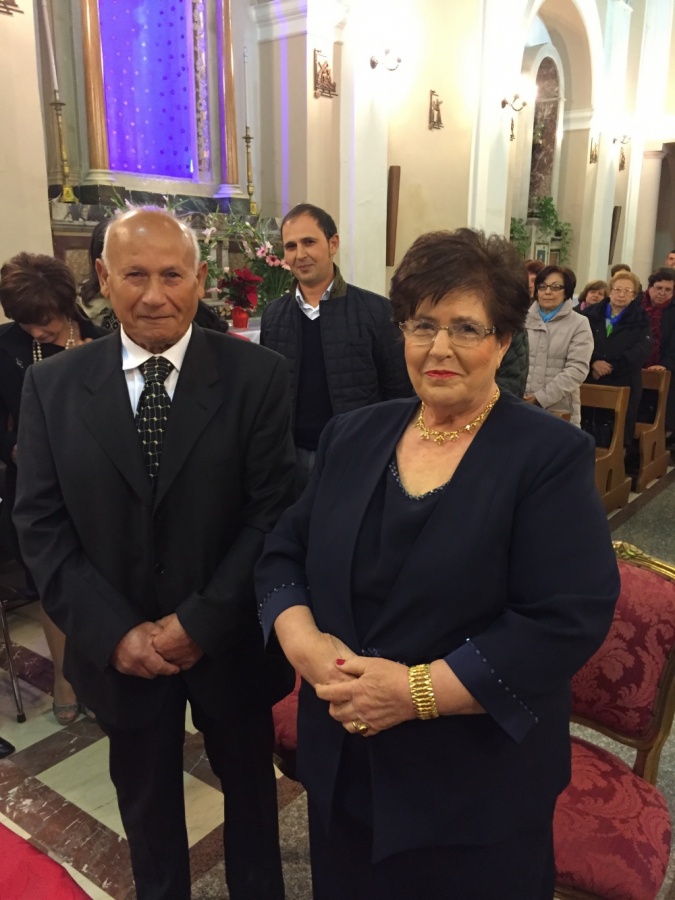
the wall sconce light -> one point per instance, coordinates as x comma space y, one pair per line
518, 104
623, 140
593, 154
389, 60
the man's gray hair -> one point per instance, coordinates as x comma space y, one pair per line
123, 214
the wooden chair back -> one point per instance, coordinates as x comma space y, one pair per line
610, 470
651, 436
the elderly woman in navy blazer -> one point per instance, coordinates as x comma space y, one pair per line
432, 589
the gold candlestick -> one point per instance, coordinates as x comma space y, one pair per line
67, 195
253, 206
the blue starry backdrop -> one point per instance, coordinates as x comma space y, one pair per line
148, 86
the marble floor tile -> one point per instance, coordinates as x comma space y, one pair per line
83, 780
40, 722
204, 808
91, 890
22, 629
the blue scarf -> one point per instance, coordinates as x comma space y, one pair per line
547, 316
610, 320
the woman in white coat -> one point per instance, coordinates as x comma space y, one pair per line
561, 344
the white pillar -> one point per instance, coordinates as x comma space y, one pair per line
364, 134
641, 259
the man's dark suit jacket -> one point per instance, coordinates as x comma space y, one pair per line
107, 556
512, 580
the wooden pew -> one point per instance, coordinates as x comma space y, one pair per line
610, 470
651, 436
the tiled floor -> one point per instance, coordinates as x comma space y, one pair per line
55, 789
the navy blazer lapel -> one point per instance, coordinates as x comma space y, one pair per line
108, 415
198, 395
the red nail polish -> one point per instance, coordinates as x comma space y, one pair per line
340, 662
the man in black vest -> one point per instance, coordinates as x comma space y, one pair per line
344, 351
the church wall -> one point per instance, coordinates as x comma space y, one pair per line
284, 110
24, 211
440, 53
323, 138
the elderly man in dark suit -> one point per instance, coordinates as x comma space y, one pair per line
161, 456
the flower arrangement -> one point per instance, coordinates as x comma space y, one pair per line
263, 260
239, 290
264, 276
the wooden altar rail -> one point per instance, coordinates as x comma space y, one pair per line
610, 470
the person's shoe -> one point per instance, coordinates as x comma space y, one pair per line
5, 748
66, 713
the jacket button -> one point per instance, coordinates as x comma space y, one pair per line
159, 569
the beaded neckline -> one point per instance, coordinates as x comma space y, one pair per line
393, 468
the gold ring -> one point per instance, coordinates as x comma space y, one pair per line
359, 727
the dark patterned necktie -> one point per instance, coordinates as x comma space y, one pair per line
153, 411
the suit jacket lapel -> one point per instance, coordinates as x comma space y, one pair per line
198, 395
108, 415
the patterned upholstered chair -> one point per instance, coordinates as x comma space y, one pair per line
612, 827
285, 714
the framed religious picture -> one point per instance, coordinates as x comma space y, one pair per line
324, 86
541, 252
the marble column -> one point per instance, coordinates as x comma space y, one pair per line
229, 164
97, 126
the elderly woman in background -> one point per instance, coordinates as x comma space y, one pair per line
560, 342
39, 293
622, 343
593, 293
657, 302
422, 588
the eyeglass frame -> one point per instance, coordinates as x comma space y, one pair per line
622, 292
487, 331
554, 288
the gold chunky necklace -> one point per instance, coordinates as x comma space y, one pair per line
70, 343
440, 437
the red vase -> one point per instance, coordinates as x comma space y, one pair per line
239, 317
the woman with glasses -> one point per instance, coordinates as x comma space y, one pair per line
622, 339
560, 342
422, 586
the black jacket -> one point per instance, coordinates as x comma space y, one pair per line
363, 349
626, 349
512, 374
16, 355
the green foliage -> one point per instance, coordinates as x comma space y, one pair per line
520, 236
550, 225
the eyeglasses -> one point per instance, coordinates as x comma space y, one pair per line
460, 334
660, 290
623, 292
550, 287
